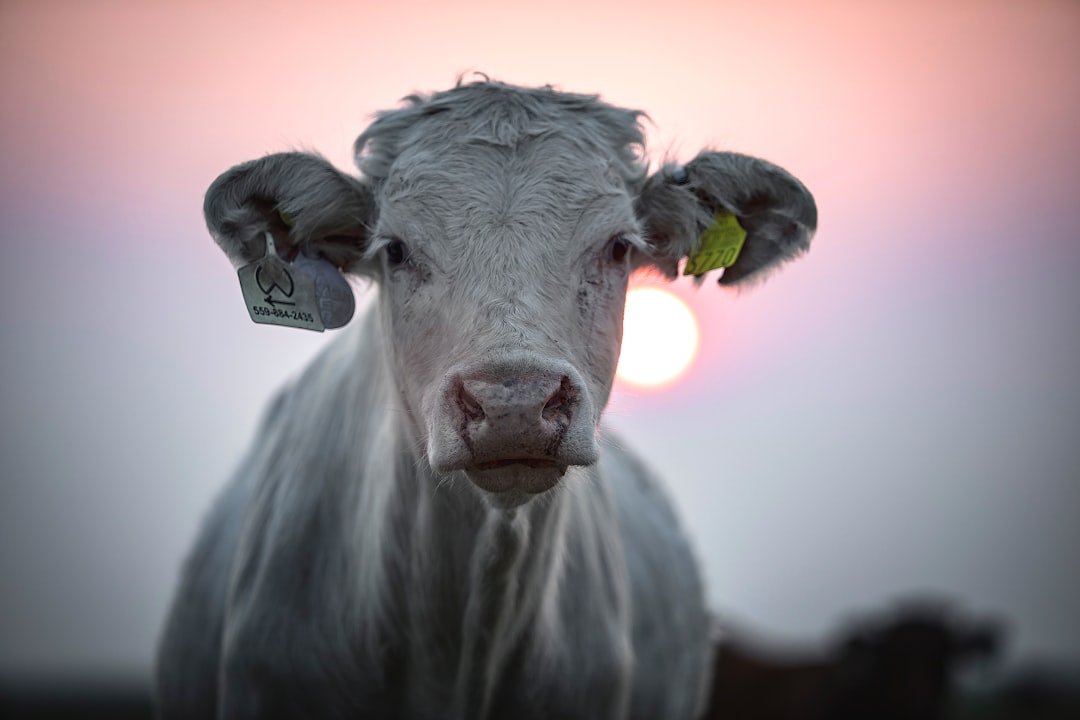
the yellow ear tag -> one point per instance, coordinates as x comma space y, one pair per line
718, 247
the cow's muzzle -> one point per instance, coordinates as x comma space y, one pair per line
513, 425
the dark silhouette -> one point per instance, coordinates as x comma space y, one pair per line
899, 667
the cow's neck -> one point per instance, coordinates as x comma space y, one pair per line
471, 580
495, 576
480, 580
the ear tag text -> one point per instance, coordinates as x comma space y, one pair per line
277, 293
718, 247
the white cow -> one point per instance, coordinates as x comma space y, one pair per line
429, 523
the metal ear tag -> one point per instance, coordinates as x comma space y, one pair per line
279, 294
332, 291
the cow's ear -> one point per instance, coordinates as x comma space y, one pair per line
677, 205
302, 199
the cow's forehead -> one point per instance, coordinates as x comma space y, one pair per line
549, 169
496, 141
540, 186
533, 166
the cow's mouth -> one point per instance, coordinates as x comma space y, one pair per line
519, 478
527, 462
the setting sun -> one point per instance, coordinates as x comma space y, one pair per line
660, 337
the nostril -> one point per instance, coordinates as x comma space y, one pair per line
560, 405
470, 407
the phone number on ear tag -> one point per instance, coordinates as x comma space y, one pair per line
277, 293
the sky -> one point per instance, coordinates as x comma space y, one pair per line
895, 414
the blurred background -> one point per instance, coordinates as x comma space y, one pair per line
896, 415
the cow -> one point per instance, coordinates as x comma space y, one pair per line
899, 665
431, 522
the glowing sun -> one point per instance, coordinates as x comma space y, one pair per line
660, 337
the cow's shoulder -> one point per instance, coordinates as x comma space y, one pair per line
669, 618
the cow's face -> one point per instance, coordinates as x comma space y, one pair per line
501, 225
503, 276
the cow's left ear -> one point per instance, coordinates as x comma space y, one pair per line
678, 204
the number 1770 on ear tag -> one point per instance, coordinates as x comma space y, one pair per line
278, 294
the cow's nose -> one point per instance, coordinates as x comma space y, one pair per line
544, 403
518, 417
513, 425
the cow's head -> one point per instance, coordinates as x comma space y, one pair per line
501, 225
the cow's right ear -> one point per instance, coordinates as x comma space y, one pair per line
302, 199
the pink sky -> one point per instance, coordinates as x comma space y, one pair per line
936, 110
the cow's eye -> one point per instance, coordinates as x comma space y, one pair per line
396, 252
617, 249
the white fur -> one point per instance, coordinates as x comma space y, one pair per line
389, 548
418, 599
